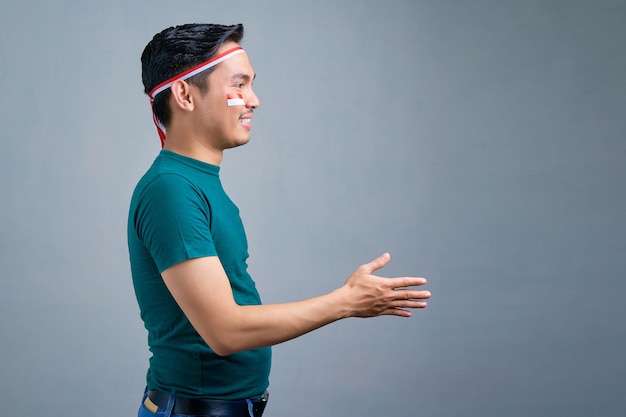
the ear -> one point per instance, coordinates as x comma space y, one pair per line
181, 95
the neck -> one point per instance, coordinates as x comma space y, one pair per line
187, 145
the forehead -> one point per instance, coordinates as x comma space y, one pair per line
237, 64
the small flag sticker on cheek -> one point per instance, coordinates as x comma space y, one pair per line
235, 100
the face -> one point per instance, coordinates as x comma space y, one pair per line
222, 125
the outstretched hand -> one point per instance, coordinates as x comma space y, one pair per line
368, 295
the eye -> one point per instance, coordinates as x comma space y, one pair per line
240, 85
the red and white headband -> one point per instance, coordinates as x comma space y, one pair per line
185, 75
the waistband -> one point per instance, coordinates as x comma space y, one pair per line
216, 408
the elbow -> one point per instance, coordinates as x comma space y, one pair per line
222, 350
221, 346
224, 337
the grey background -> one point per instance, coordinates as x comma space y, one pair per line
481, 142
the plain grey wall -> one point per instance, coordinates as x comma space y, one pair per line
481, 142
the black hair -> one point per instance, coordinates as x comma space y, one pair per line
177, 49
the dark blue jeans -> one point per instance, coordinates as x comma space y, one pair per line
149, 409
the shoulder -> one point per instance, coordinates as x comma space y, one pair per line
166, 195
172, 175
166, 184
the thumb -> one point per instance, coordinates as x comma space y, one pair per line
377, 263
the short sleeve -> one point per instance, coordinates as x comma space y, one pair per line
173, 220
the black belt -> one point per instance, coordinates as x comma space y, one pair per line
213, 408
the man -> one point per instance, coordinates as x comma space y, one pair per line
208, 332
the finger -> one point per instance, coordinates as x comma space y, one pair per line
402, 311
377, 263
404, 304
411, 295
403, 282
396, 312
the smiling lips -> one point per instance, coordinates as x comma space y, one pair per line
245, 122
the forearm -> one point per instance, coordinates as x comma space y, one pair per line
270, 324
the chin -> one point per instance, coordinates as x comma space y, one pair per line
239, 142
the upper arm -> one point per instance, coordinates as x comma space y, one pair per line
172, 221
202, 290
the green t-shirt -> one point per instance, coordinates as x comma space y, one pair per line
180, 211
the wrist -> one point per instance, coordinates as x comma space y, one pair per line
341, 303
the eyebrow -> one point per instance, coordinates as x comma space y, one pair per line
242, 76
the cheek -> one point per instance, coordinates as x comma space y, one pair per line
233, 100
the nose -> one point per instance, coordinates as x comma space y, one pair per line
252, 101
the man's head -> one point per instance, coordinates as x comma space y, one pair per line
178, 49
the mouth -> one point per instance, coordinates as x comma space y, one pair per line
245, 122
